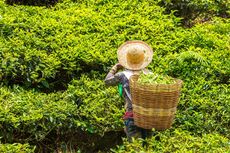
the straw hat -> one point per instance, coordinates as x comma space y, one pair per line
134, 55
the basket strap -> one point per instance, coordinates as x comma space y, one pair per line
128, 94
153, 111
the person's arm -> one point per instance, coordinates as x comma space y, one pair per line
112, 77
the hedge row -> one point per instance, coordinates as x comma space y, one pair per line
86, 105
48, 47
33, 2
178, 141
193, 11
90, 106
16, 148
199, 52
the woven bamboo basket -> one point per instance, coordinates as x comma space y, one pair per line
154, 106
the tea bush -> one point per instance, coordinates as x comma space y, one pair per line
85, 105
178, 141
195, 9
16, 148
99, 106
199, 52
49, 47
33, 2
31, 116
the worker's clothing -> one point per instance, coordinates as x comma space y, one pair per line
123, 79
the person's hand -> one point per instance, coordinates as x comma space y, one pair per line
119, 66
116, 68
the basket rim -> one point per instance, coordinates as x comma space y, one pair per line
178, 82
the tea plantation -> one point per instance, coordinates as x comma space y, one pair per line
54, 58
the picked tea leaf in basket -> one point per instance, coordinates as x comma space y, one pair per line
153, 78
155, 98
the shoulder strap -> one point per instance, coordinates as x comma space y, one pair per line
128, 74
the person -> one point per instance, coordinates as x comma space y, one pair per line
133, 57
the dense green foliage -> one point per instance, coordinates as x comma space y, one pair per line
178, 141
16, 148
155, 79
53, 62
33, 2
52, 46
194, 11
86, 105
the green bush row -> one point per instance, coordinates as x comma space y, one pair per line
90, 106
33, 2
16, 148
177, 141
199, 52
204, 108
27, 115
31, 116
98, 105
48, 47
197, 10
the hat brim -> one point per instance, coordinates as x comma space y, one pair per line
122, 52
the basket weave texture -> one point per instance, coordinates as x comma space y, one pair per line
154, 106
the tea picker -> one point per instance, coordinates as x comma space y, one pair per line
150, 99
133, 57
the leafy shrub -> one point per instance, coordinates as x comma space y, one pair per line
194, 9
86, 105
199, 52
178, 141
16, 148
208, 110
31, 116
100, 105
49, 47
33, 2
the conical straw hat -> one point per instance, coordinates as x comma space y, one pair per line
134, 55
